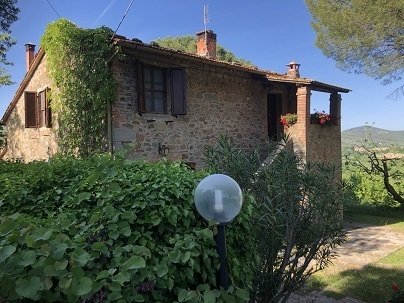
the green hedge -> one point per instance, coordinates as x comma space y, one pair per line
102, 229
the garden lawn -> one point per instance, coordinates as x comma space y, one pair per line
372, 282
394, 220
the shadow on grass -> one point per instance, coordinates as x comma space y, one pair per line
370, 284
386, 212
376, 217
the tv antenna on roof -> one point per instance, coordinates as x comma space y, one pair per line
205, 22
205, 16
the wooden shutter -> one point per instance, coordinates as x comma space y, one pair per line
41, 108
48, 112
178, 92
30, 109
140, 88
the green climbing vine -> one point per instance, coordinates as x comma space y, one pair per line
2, 136
82, 84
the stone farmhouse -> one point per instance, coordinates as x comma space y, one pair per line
172, 104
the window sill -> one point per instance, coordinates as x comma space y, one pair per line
157, 117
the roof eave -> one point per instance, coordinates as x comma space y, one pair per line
324, 87
315, 85
180, 54
271, 76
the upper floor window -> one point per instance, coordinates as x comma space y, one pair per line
157, 87
155, 90
37, 109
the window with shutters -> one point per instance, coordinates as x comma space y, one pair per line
157, 86
30, 109
178, 92
37, 109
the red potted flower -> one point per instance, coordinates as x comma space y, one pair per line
321, 118
288, 119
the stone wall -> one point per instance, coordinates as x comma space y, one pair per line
325, 144
315, 142
29, 144
219, 101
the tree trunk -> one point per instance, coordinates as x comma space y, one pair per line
396, 196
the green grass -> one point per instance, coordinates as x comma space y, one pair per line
386, 213
372, 283
377, 217
394, 259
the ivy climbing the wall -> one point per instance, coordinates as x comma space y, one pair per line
82, 86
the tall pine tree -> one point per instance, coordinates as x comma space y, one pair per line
363, 36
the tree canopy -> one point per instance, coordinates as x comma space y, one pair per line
363, 36
8, 15
188, 44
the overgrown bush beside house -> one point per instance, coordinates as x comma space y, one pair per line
101, 230
298, 215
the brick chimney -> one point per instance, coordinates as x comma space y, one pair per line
206, 44
29, 55
293, 71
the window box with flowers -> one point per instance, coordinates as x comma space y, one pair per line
288, 119
321, 118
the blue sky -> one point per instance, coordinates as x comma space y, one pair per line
269, 33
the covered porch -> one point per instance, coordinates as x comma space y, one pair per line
314, 139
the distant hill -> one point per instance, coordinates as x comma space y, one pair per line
382, 137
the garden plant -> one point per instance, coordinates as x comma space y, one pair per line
297, 213
109, 230
105, 229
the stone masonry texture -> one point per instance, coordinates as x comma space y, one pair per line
30, 144
220, 101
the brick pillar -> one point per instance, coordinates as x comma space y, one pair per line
335, 113
335, 108
301, 128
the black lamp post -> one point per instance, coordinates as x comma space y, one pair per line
218, 198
